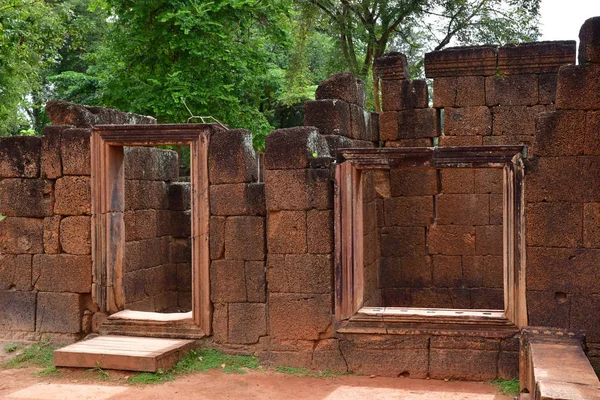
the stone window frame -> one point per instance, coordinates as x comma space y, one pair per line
108, 203
350, 315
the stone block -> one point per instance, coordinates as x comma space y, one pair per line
20, 156
559, 179
547, 88
180, 250
231, 157
578, 87
483, 271
141, 224
17, 310
458, 180
408, 211
489, 240
463, 209
546, 309
237, 199
227, 281
417, 123
319, 231
151, 164
330, 117
515, 120
404, 94
447, 271
487, 299
26, 197
184, 277
489, 180
460, 141
467, 121
554, 224
147, 253
496, 209
15, 272
444, 92
21, 236
451, 240
592, 133
76, 235
291, 353
181, 223
50, 160
415, 182
391, 355
247, 322
584, 311
511, 90
388, 125
402, 241
336, 142
423, 142
589, 42
75, 151
358, 123
343, 86
73, 195
294, 148
146, 195
328, 357
299, 316
298, 190
51, 235
62, 273
372, 127
561, 133
300, 273
58, 312
535, 58
217, 237
406, 271
180, 196
286, 232
463, 364
461, 61
256, 281
220, 322
591, 225
391, 66
64, 113
245, 238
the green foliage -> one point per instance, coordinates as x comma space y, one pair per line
2, 217
38, 354
11, 348
48, 371
304, 372
101, 374
149, 378
508, 388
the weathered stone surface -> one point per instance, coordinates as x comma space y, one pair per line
286, 232
319, 231
487, 298
461, 61
20, 157
463, 91
184, 277
463, 209
404, 94
51, 235
17, 310
227, 281
509, 141
330, 117
62, 273
151, 164
546, 309
399, 241
464, 364
146, 195
245, 238
413, 182
181, 224
343, 86
488, 240
358, 123
65, 113
547, 88
592, 133
578, 87
391, 66
408, 211
303, 273
417, 123
180, 196
75, 235
452, 240
483, 271
535, 58
554, 224
406, 271
141, 224
231, 157
584, 312
75, 151
336, 142
58, 312
489, 180
460, 141
388, 125
511, 90
15, 272
220, 322
558, 179
256, 281
147, 253
459, 180
247, 322
294, 148
561, 133
496, 209
327, 356
299, 316
589, 42
72, 195
237, 199
26, 197
447, 271
298, 189
293, 353
591, 225
467, 121
50, 160
217, 237
21, 236
391, 355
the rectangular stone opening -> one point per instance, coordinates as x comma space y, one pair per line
432, 234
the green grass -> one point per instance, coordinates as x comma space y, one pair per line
48, 371
101, 374
301, 372
509, 388
38, 354
11, 348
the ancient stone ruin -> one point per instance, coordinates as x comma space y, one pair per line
454, 241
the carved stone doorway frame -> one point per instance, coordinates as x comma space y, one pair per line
108, 206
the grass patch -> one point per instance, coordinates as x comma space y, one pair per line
101, 374
38, 354
199, 361
508, 388
48, 371
302, 372
11, 348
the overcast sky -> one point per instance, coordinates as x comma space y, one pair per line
561, 19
